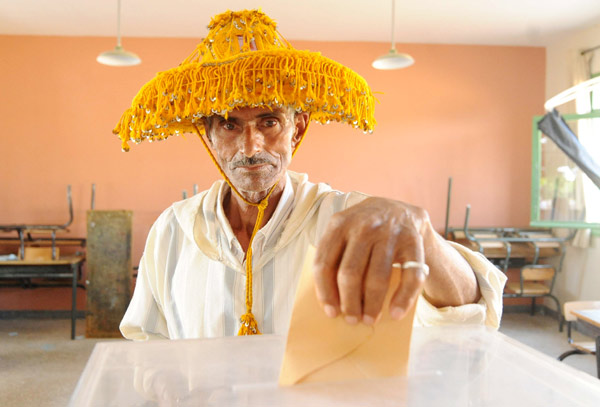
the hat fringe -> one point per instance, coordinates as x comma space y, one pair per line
176, 99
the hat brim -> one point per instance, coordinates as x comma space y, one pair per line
174, 101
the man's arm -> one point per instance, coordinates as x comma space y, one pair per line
355, 256
451, 281
144, 318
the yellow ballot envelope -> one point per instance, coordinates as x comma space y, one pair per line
322, 349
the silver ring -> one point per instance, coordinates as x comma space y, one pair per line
413, 265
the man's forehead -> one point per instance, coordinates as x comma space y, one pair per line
256, 112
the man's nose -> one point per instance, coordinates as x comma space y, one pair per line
252, 141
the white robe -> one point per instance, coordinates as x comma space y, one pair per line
191, 279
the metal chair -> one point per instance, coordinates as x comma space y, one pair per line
536, 280
579, 348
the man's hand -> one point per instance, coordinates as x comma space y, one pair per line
354, 261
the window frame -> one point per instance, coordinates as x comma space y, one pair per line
536, 169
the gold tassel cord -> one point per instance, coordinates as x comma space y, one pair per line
248, 322
249, 325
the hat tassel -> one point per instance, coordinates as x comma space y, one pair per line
249, 325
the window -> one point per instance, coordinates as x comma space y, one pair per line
562, 195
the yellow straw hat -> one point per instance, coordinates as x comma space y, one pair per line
244, 61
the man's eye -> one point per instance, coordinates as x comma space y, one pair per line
228, 126
270, 123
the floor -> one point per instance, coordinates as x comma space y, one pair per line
541, 333
40, 365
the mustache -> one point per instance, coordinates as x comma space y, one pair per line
254, 160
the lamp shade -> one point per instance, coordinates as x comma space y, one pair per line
118, 57
393, 60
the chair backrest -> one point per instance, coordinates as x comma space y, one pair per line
544, 273
490, 244
575, 305
39, 253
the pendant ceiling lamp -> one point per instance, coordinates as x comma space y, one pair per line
393, 59
118, 56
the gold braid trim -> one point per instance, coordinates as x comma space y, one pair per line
249, 325
248, 322
174, 102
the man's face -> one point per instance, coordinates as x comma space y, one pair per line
254, 145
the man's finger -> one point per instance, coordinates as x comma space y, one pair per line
327, 260
410, 253
350, 279
377, 280
411, 285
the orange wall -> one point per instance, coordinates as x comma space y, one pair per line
461, 111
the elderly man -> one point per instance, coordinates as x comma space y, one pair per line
228, 260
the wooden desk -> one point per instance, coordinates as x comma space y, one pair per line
65, 267
519, 250
44, 241
450, 366
589, 323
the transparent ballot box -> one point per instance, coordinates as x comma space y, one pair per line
449, 366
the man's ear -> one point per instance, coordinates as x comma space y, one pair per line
301, 122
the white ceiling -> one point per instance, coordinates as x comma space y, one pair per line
491, 22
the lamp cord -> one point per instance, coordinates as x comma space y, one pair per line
118, 23
393, 23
